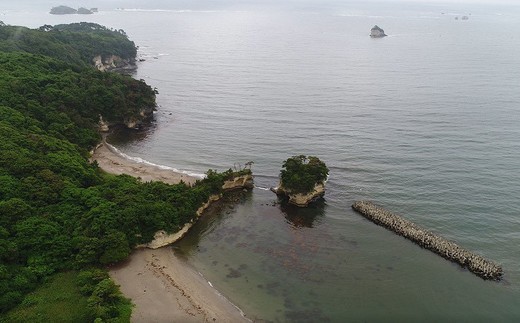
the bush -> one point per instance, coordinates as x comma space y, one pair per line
300, 174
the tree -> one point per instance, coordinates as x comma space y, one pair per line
300, 174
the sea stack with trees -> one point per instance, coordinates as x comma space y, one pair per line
65, 10
302, 180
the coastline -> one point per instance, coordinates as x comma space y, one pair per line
113, 163
163, 287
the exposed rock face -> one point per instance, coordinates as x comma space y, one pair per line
244, 181
103, 126
299, 199
162, 238
112, 62
377, 32
131, 123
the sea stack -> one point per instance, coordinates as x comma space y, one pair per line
377, 32
302, 180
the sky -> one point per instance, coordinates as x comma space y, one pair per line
216, 4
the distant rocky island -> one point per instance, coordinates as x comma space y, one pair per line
65, 10
377, 32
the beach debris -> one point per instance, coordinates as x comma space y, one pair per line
478, 265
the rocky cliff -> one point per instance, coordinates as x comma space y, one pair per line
299, 199
112, 63
162, 238
133, 122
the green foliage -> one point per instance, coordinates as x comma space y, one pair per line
105, 302
58, 299
75, 44
58, 212
300, 174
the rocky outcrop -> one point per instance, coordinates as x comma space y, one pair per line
449, 250
112, 63
134, 122
103, 125
63, 10
162, 238
239, 182
84, 11
377, 32
299, 199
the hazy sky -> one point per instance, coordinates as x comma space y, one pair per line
217, 4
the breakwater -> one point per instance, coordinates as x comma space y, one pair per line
449, 250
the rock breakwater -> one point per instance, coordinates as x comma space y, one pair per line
449, 250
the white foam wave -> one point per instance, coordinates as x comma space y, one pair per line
263, 188
143, 161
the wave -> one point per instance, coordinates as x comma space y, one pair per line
143, 161
263, 188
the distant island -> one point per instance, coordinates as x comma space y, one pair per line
377, 32
65, 10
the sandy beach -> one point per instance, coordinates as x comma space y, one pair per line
111, 162
163, 287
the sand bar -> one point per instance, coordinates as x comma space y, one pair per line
111, 162
165, 288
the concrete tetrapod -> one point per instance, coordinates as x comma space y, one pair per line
449, 250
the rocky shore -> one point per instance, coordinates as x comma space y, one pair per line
449, 250
300, 199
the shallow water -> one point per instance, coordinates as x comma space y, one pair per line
425, 122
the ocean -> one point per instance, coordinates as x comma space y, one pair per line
424, 122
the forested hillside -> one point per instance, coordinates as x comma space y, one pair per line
58, 212
76, 43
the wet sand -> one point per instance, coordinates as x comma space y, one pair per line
163, 287
113, 163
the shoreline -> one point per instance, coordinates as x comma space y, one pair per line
163, 287
111, 162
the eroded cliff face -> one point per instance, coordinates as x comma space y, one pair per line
244, 181
162, 238
299, 199
133, 122
112, 62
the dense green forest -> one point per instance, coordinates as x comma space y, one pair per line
300, 174
76, 43
58, 212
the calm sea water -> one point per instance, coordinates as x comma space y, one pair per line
425, 122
